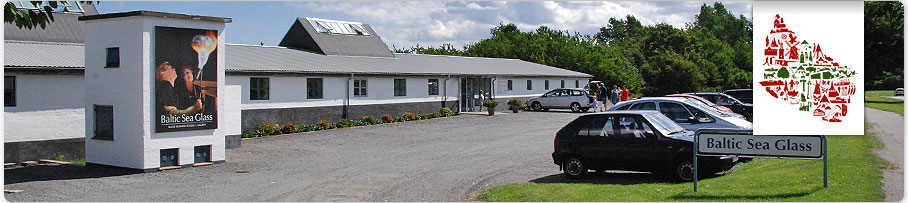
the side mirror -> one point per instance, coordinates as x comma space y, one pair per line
692, 120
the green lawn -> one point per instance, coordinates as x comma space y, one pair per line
854, 174
875, 99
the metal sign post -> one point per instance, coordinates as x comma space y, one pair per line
742, 143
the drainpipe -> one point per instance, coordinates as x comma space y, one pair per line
347, 99
444, 100
492, 94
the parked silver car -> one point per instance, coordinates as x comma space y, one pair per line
689, 114
574, 99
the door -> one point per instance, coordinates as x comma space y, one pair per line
634, 142
470, 88
596, 142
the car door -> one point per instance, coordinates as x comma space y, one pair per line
678, 113
596, 137
548, 99
564, 98
635, 144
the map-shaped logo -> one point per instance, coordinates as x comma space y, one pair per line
799, 73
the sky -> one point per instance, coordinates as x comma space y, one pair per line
403, 24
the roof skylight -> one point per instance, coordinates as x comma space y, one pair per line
338, 27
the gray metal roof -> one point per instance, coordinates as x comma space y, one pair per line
258, 59
27, 54
64, 28
302, 35
269, 59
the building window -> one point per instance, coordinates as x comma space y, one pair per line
510, 85
400, 87
258, 88
104, 126
360, 88
202, 153
313, 88
170, 157
546, 84
9, 91
576, 83
113, 57
562, 83
433, 86
529, 84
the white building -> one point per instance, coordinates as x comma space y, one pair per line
322, 70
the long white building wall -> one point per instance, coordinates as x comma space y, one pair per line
519, 85
47, 107
290, 91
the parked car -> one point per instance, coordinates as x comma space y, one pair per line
631, 140
574, 99
728, 101
743, 95
899, 91
703, 101
689, 114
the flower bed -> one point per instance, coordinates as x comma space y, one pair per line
270, 128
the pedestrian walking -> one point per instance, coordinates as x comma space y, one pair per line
626, 95
595, 98
603, 96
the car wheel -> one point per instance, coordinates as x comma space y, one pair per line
682, 170
574, 167
537, 106
575, 107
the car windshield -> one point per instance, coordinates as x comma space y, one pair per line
664, 124
708, 109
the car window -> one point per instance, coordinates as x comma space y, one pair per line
577, 93
632, 127
710, 98
624, 107
553, 93
565, 93
701, 116
598, 126
675, 111
644, 106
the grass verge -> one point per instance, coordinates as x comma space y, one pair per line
854, 174
876, 99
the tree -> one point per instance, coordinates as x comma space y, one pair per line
883, 44
32, 18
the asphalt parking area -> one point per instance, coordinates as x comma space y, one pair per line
447, 159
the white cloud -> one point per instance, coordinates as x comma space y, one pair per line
405, 24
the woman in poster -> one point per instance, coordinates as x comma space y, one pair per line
168, 102
185, 91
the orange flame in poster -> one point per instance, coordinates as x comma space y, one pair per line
204, 45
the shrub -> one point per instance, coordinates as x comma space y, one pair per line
408, 116
323, 124
515, 102
346, 123
368, 119
435, 115
269, 128
290, 127
305, 128
445, 111
490, 103
387, 118
426, 116
249, 134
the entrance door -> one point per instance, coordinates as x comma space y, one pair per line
469, 91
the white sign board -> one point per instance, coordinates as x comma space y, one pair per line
799, 146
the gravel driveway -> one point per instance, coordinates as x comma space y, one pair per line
447, 159
890, 128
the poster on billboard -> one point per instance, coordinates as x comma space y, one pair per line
808, 68
186, 78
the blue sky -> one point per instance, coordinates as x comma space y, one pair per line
427, 23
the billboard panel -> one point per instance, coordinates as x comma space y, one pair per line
185, 79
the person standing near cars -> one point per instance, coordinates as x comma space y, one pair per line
603, 96
616, 93
626, 95
595, 98
481, 100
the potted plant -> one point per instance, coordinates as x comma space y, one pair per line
515, 104
491, 104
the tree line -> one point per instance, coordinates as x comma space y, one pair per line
713, 53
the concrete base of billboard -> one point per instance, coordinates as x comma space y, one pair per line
69, 149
